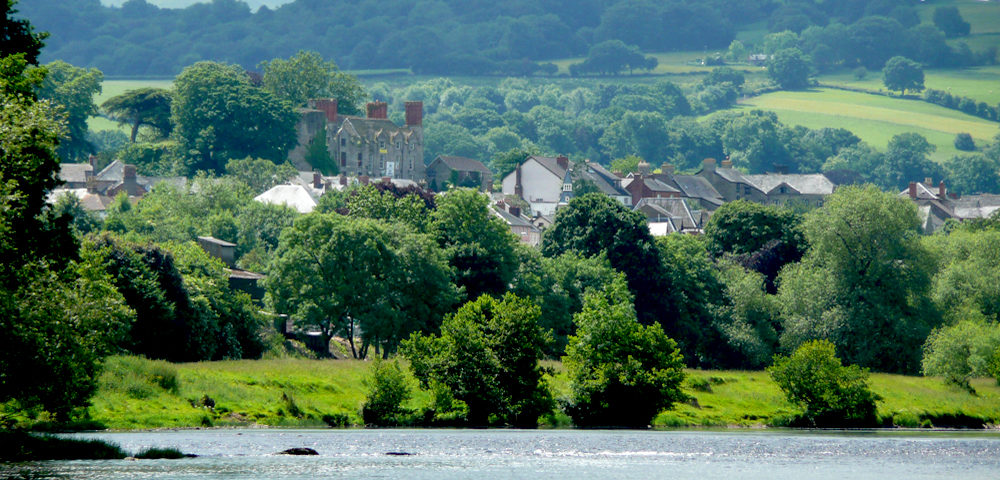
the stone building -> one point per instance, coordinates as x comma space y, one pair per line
371, 145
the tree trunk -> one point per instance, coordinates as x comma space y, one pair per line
350, 338
135, 131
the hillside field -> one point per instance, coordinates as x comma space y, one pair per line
135, 393
979, 83
874, 118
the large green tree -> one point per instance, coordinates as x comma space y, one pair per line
218, 115
306, 75
141, 107
72, 89
487, 356
863, 283
621, 373
17, 35
901, 74
789, 68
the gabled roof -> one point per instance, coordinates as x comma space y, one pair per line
693, 186
294, 196
550, 164
114, 171
75, 172
923, 192
651, 183
371, 128
462, 164
513, 220
805, 184
673, 208
661, 229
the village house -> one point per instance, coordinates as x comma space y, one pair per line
372, 145
525, 230
458, 171
936, 205
730, 182
782, 188
546, 183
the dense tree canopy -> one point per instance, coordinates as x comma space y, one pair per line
901, 74
141, 107
306, 76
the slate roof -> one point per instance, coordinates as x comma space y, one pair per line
805, 184
294, 196
114, 171
463, 164
370, 128
652, 184
693, 186
675, 209
550, 164
75, 172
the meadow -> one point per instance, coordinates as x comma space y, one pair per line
979, 83
874, 118
136, 393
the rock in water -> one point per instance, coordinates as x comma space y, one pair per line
299, 451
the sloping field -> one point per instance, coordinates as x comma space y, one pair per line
979, 83
112, 88
876, 119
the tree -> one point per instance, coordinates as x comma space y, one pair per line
143, 106
260, 174
219, 115
901, 74
961, 351
478, 245
611, 57
72, 89
17, 36
744, 227
906, 160
488, 356
594, 224
747, 317
621, 373
789, 68
306, 76
863, 283
831, 394
387, 391
972, 174
964, 142
950, 21
345, 276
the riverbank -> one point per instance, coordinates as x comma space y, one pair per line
136, 393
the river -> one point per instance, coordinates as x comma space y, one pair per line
549, 454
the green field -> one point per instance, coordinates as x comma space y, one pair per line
263, 392
979, 83
111, 88
874, 118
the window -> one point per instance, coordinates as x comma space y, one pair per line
343, 142
746, 190
359, 159
343, 159
381, 144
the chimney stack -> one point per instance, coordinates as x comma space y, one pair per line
515, 211
563, 162
342, 179
414, 114
518, 189
92, 160
363, 179
727, 163
328, 106
667, 169
386, 180
929, 182
317, 180
644, 168
708, 165
942, 192
913, 190
128, 172
378, 110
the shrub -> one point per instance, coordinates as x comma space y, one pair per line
387, 391
831, 394
961, 351
964, 142
621, 373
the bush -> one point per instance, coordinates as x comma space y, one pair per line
964, 142
831, 394
387, 392
961, 351
621, 373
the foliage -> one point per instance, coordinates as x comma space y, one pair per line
219, 115
906, 160
487, 357
971, 174
72, 90
950, 21
831, 394
143, 106
789, 68
964, 142
411, 206
318, 156
387, 392
595, 224
863, 283
307, 76
19, 36
968, 275
748, 317
621, 373
346, 276
260, 174
901, 74
83, 221
744, 227
961, 351
478, 245
611, 57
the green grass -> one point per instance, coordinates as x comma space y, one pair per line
979, 83
293, 392
112, 88
873, 118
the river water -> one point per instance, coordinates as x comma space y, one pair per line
549, 454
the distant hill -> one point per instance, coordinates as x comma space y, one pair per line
254, 4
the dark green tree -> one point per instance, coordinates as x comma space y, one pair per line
18, 36
141, 107
744, 227
621, 372
260, 174
72, 89
950, 21
901, 74
306, 76
487, 356
219, 115
789, 68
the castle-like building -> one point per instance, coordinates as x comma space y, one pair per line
370, 146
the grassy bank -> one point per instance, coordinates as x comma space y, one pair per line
136, 394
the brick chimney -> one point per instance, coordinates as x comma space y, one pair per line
378, 110
667, 169
317, 180
515, 211
128, 173
929, 182
563, 162
518, 189
414, 114
942, 192
644, 168
363, 179
342, 179
328, 106
913, 190
386, 180
727, 163
92, 160
708, 165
